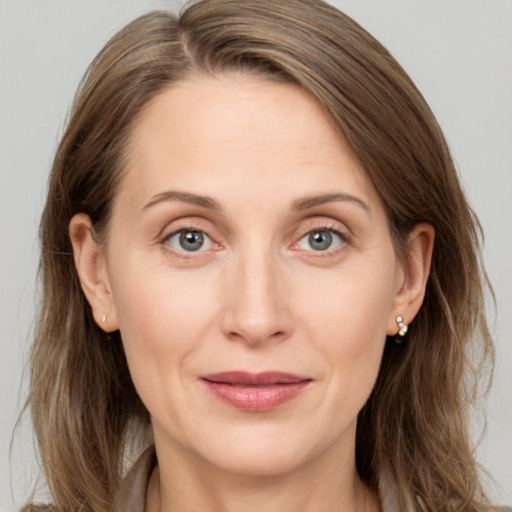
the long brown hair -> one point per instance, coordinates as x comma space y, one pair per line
414, 430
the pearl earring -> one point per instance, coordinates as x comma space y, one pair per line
104, 318
402, 327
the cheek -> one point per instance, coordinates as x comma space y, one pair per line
351, 305
154, 302
163, 318
347, 317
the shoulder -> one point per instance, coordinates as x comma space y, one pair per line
132, 491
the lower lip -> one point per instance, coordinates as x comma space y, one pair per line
256, 398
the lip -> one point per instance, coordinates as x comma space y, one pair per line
256, 392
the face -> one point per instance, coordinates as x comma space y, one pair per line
252, 276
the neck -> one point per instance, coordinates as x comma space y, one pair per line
361, 500
317, 487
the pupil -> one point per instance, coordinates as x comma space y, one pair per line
320, 240
191, 240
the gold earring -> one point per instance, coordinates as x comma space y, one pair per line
402, 327
104, 318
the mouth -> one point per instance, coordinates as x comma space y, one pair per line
255, 392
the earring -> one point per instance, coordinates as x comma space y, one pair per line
402, 327
104, 318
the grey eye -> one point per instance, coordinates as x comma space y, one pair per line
320, 240
189, 240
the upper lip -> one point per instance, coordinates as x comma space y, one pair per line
254, 379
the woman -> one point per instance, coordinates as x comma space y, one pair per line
257, 257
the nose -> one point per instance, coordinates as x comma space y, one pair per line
257, 309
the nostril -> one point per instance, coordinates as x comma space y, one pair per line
256, 338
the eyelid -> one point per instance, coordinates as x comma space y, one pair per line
322, 224
177, 224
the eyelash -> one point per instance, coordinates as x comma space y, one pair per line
323, 227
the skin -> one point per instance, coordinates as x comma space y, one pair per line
257, 296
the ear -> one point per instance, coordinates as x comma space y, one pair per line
412, 276
91, 267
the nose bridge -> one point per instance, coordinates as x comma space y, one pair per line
257, 310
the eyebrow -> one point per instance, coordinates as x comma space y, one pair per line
303, 203
184, 197
312, 201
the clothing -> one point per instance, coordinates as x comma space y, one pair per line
132, 495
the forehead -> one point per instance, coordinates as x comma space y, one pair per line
217, 131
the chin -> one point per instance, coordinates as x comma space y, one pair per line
269, 453
260, 462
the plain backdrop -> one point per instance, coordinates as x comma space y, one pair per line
459, 52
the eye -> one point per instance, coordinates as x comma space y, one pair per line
189, 240
320, 240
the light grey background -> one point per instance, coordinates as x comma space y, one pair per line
459, 52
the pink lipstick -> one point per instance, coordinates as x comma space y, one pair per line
255, 392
